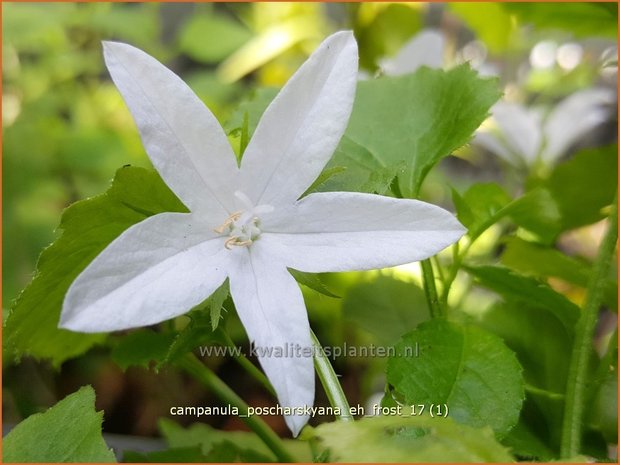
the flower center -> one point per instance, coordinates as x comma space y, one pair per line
243, 227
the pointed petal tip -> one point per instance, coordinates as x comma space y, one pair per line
296, 423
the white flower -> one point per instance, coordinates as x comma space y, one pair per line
246, 223
525, 136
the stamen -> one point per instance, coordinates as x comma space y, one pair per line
236, 242
230, 220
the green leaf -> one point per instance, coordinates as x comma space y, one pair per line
87, 228
409, 440
584, 186
401, 306
70, 431
141, 347
467, 368
198, 332
537, 212
312, 281
220, 452
216, 304
480, 206
382, 29
419, 118
491, 23
211, 38
526, 445
173, 455
542, 262
518, 288
210, 440
541, 342
580, 18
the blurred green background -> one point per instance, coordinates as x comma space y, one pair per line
66, 131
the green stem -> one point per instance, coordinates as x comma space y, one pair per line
430, 290
249, 367
577, 374
202, 373
329, 380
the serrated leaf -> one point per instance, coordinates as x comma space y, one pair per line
140, 348
70, 431
385, 307
409, 440
465, 367
87, 228
419, 118
517, 287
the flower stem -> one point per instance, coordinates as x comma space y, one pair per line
202, 373
430, 290
582, 348
329, 380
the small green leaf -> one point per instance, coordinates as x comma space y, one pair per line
216, 304
140, 348
536, 211
325, 175
198, 332
467, 368
409, 440
517, 287
401, 306
312, 281
480, 206
70, 431
87, 228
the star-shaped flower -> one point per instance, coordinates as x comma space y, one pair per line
247, 222
525, 136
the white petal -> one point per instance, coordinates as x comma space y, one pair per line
182, 138
300, 130
155, 270
520, 127
424, 49
572, 118
271, 308
341, 231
